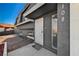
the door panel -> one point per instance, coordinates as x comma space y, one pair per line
39, 31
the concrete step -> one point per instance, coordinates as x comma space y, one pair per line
30, 34
30, 37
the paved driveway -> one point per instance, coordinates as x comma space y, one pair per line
3, 38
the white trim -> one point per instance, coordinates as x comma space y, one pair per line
33, 8
30, 37
24, 22
5, 49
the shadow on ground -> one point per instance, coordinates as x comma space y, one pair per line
17, 42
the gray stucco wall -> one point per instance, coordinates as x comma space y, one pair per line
63, 30
26, 25
47, 30
25, 28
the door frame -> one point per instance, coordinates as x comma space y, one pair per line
49, 45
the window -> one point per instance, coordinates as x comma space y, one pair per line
54, 31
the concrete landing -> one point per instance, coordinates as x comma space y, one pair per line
28, 50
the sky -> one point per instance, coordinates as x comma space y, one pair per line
9, 12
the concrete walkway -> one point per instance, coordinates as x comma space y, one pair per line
28, 50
